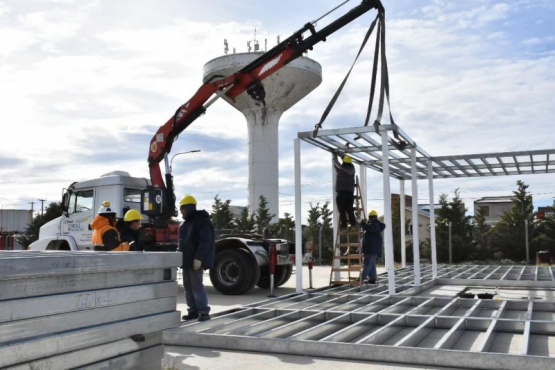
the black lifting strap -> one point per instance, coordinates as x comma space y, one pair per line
338, 92
384, 77
384, 89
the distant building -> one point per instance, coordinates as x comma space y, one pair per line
545, 212
423, 217
423, 223
236, 211
495, 207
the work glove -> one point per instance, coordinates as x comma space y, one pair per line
123, 247
196, 264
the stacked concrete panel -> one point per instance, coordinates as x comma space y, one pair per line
86, 309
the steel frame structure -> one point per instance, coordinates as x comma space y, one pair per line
388, 149
479, 317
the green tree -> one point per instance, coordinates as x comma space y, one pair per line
245, 223
221, 216
262, 216
284, 228
509, 233
326, 214
396, 227
313, 224
453, 212
481, 236
52, 211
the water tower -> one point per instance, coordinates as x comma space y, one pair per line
283, 89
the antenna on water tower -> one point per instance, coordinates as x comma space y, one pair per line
256, 46
226, 47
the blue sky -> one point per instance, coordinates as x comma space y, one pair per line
85, 85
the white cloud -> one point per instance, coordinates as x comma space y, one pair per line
91, 83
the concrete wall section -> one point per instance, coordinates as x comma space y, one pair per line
86, 309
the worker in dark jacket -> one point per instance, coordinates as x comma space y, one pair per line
105, 236
345, 188
129, 229
372, 244
196, 242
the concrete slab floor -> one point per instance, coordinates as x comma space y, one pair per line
181, 358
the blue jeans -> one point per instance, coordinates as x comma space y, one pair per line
194, 291
369, 270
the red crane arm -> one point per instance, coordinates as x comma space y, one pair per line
248, 79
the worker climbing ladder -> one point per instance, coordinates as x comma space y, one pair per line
346, 266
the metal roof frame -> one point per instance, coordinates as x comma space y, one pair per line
388, 149
364, 145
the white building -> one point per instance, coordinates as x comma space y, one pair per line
494, 207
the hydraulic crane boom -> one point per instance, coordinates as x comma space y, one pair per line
247, 79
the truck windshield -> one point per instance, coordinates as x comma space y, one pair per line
81, 201
132, 195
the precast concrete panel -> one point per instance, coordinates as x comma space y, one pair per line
86, 309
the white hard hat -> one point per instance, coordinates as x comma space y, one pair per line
105, 209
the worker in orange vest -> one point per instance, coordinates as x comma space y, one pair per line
105, 236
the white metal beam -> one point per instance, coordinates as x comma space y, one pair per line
432, 219
388, 232
415, 233
402, 219
298, 221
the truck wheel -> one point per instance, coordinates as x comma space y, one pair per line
253, 267
287, 275
232, 273
282, 274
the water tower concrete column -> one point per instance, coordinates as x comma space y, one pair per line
283, 89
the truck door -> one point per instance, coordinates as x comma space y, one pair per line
80, 215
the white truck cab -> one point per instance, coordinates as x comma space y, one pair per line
81, 201
242, 260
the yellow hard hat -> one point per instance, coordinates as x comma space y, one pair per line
105, 209
132, 215
347, 159
373, 214
188, 199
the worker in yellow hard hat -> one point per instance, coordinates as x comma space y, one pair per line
345, 189
372, 245
197, 243
129, 229
105, 236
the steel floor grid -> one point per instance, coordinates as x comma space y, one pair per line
415, 326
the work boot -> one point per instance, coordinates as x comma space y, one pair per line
370, 281
204, 317
190, 316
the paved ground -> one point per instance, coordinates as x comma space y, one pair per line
201, 358
220, 303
